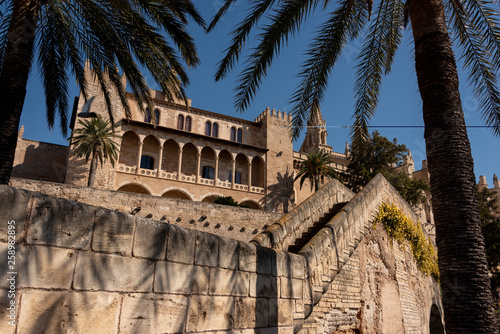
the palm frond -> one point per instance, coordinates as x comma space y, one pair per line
220, 13
240, 35
323, 53
286, 21
479, 63
376, 58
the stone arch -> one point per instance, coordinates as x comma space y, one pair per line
225, 165
435, 323
242, 167
170, 159
258, 172
134, 188
207, 160
189, 159
252, 204
210, 198
129, 149
178, 194
151, 147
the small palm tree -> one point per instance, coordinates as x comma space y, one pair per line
316, 168
95, 138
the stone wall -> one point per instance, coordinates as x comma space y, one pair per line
80, 267
231, 222
39, 160
85, 269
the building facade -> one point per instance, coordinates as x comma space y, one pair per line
184, 152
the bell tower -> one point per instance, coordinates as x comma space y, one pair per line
316, 133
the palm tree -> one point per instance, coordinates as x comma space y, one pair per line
315, 168
95, 138
110, 34
467, 303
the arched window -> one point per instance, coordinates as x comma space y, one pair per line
215, 130
208, 173
147, 162
188, 124
147, 116
233, 134
157, 116
208, 129
240, 136
180, 122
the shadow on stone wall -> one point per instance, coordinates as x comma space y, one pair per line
40, 164
280, 195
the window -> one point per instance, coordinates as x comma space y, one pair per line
147, 162
215, 130
240, 135
208, 128
147, 116
180, 122
157, 116
233, 134
208, 173
237, 177
188, 124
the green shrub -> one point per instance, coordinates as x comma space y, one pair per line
402, 229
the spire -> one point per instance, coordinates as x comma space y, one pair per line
316, 133
347, 150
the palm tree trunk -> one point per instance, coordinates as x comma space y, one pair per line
466, 295
93, 168
13, 79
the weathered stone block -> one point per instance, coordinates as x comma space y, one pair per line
14, 206
181, 278
210, 313
247, 257
266, 261
263, 286
153, 313
228, 253
61, 223
150, 239
207, 249
251, 312
113, 232
69, 312
113, 273
180, 244
291, 288
40, 267
298, 265
229, 282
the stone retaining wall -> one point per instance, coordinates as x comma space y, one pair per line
86, 269
231, 222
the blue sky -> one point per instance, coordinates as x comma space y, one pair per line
399, 102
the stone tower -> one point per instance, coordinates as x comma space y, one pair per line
316, 134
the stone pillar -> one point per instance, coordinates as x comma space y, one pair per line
198, 167
216, 176
233, 176
249, 175
160, 158
139, 157
482, 182
496, 184
180, 164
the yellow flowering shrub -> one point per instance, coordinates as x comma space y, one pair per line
402, 229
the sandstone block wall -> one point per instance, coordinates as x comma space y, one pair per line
86, 269
39, 160
231, 222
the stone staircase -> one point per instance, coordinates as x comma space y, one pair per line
315, 228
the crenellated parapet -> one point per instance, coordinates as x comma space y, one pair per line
273, 113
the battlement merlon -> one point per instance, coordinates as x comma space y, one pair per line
273, 113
